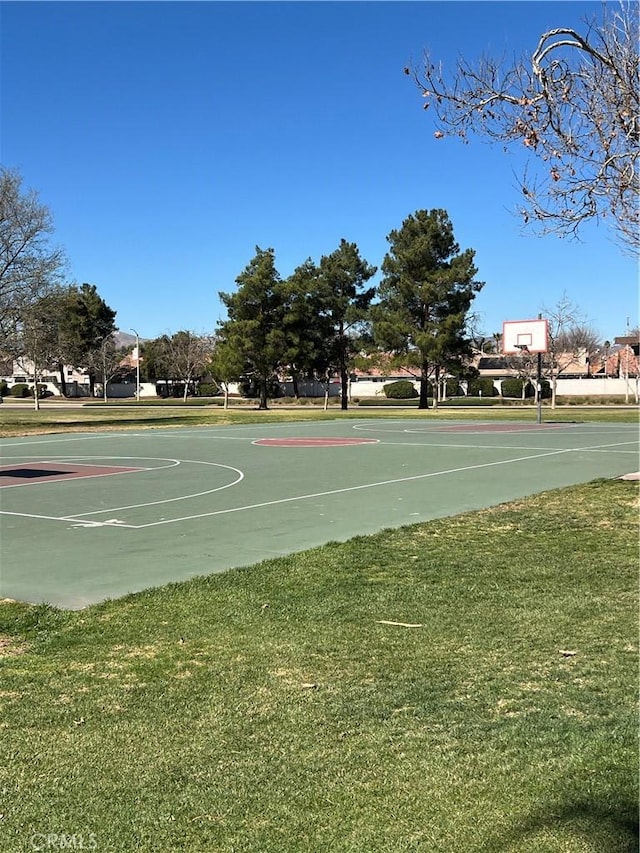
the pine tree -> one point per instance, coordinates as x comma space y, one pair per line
425, 297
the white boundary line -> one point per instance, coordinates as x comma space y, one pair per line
115, 523
181, 497
593, 449
353, 488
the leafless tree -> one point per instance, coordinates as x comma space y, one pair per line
570, 339
188, 354
29, 265
105, 361
37, 342
525, 366
574, 104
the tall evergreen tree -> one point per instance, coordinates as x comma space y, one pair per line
254, 329
155, 360
425, 297
306, 326
85, 324
344, 303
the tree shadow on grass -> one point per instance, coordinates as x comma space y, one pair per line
607, 828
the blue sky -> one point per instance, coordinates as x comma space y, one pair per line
169, 139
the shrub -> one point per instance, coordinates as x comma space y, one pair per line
471, 401
453, 388
250, 388
383, 401
20, 390
513, 388
208, 389
403, 389
481, 388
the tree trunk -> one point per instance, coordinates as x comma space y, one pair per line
436, 387
263, 394
423, 402
296, 390
63, 381
226, 395
344, 387
36, 401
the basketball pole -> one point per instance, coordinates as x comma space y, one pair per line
539, 384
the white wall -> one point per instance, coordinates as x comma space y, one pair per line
117, 390
565, 387
598, 387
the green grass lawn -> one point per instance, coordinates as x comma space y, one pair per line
468, 684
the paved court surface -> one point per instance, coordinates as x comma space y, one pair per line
84, 517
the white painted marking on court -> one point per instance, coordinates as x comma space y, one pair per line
293, 499
605, 448
80, 521
78, 460
348, 489
114, 522
88, 461
444, 427
80, 437
451, 446
180, 497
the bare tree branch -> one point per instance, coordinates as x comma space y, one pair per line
574, 104
29, 265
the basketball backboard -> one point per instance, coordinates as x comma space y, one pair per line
520, 337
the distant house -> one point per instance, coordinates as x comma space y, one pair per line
20, 371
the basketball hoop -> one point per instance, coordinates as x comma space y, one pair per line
527, 337
530, 336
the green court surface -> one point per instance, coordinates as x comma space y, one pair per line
84, 517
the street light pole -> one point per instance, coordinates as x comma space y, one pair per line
137, 365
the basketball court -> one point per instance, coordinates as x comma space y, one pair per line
85, 517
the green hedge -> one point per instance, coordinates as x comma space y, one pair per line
20, 390
207, 389
402, 389
251, 389
484, 385
453, 388
383, 401
172, 402
513, 388
472, 401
